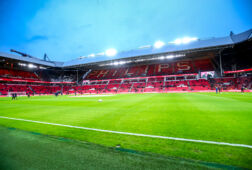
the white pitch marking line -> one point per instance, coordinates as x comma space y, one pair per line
133, 134
92, 96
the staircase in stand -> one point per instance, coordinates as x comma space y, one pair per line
131, 87
32, 89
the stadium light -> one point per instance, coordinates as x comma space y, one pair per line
177, 41
159, 44
144, 46
169, 56
122, 62
119, 63
91, 55
31, 66
41, 67
100, 54
111, 52
116, 63
161, 57
184, 40
22, 64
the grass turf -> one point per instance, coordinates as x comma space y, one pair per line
24, 150
225, 117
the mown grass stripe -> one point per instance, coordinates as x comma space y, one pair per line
133, 134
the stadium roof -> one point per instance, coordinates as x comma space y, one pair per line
31, 60
169, 48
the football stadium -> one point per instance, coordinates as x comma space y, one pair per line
185, 104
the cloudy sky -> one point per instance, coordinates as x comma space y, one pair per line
67, 29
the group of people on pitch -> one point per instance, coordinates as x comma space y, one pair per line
13, 96
218, 89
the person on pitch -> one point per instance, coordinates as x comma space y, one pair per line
242, 89
12, 96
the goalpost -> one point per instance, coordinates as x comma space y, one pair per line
18, 93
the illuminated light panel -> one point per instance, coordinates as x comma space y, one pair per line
184, 40
159, 44
31, 66
91, 55
161, 57
144, 46
41, 67
169, 56
22, 64
100, 54
111, 52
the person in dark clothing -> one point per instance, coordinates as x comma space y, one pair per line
216, 89
12, 96
28, 95
242, 89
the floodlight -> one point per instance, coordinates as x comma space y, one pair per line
161, 57
144, 46
189, 39
41, 67
32, 66
111, 52
22, 64
159, 44
169, 56
116, 63
178, 41
91, 55
194, 39
100, 54
185, 40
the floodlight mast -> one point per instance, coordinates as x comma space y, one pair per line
46, 58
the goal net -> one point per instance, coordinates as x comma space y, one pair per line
18, 93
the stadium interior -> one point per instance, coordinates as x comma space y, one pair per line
125, 84
185, 70
149, 108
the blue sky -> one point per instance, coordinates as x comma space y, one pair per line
67, 29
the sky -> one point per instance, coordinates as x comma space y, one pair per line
68, 29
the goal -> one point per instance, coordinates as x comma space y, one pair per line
18, 93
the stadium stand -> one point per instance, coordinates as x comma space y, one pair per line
18, 74
31, 89
200, 66
132, 85
180, 67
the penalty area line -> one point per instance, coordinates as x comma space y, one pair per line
132, 134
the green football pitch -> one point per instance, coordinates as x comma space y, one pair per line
121, 121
